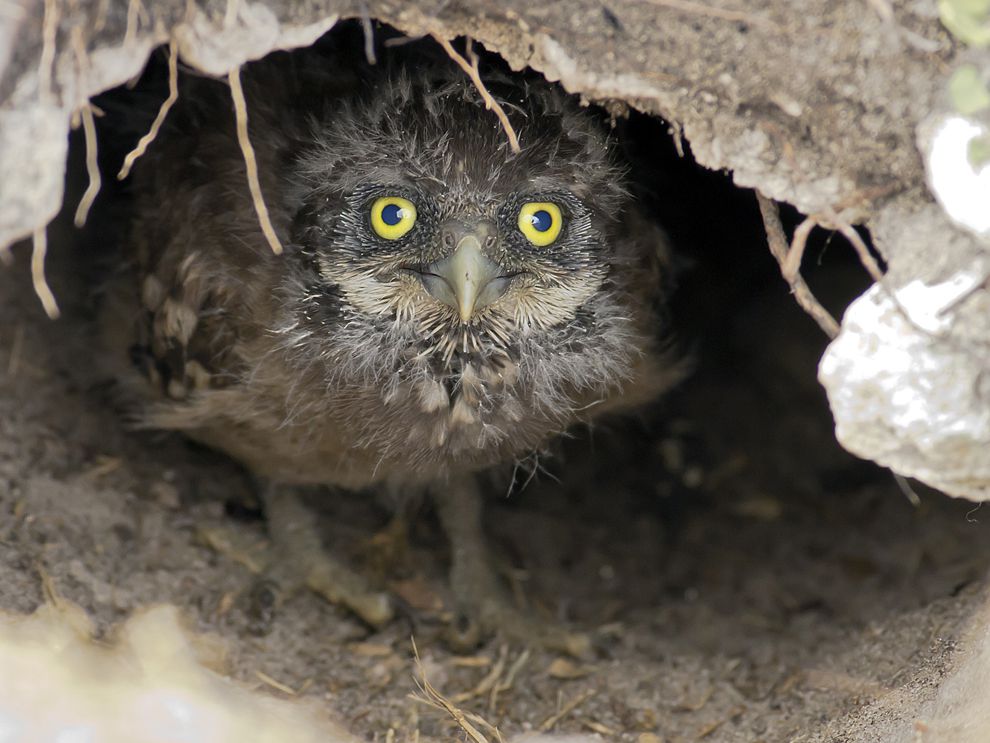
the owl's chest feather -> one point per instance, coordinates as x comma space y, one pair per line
413, 430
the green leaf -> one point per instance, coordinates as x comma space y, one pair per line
978, 151
967, 20
968, 91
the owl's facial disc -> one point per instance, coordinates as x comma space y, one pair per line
466, 280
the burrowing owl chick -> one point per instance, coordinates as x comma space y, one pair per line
443, 305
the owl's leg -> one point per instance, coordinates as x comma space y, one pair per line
295, 558
302, 560
482, 605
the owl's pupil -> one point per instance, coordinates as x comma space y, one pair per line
391, 214
542, 220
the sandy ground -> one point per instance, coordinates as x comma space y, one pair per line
745, 578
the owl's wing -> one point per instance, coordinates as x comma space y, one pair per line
662, 365
198, 277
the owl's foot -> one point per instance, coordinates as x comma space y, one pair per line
482, 607
484, 610
294, 558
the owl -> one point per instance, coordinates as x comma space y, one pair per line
444, 304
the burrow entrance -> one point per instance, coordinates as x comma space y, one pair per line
746, 578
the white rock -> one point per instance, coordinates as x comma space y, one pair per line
907, 398
961, 188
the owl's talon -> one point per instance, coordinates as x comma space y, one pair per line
340, 585
482, 607
488, 615
463, 634
295, 558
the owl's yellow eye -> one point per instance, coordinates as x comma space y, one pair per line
392, 217
540, 222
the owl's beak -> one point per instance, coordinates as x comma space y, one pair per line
467, 280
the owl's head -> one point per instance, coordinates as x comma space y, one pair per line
494, 292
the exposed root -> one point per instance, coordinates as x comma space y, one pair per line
882, 8
156, 125
231, 13
250, 163
831, 221
696, 8
865, 257
92, 167
134, 12
789, 259
49, 35
369, 35
41, 287
89, 129
471, 68
101, 16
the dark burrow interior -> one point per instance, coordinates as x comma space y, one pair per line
733, 561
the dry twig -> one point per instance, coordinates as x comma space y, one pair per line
471, 68
250, 163
789, 259
156, 125
41, 287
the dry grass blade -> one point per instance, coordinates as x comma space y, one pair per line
471, 68
551, 722
274, 683
789, 259
435, 699
156, 125
488, 682
41, 287
510, 679
250, 163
